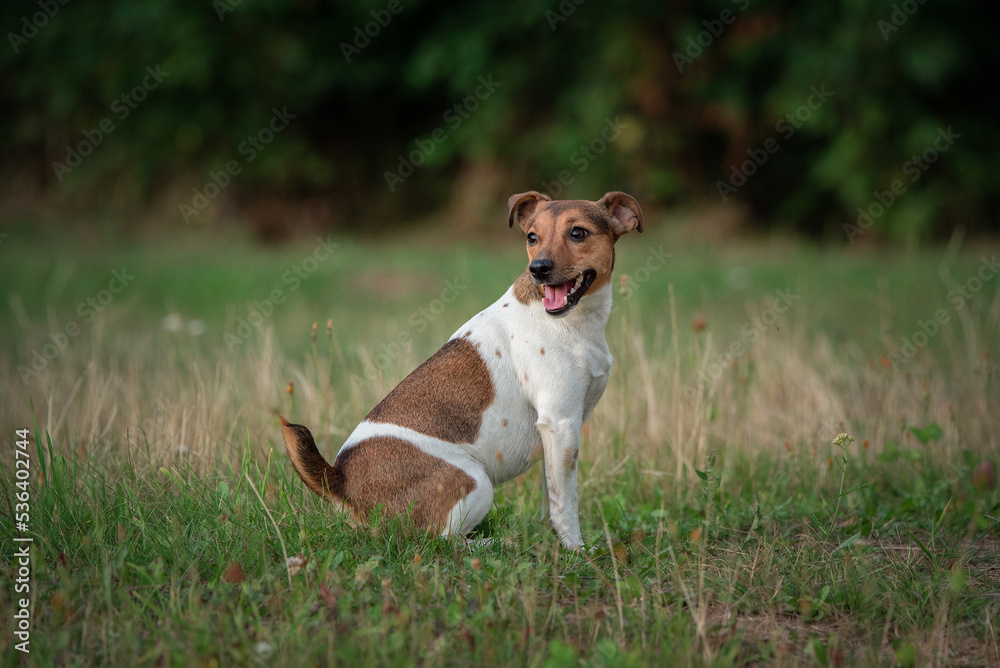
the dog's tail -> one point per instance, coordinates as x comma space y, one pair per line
316, 473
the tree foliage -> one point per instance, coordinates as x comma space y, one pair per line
804, 111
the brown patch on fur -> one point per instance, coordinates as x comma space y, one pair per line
444, 397
497, 351
542, 351
503, 422
526, 291
625, 212
604, 256
552, 222
575, 212
499, 456
402, 478
380, 470
522, 205
571, 457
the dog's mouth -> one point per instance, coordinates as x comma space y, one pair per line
560, 298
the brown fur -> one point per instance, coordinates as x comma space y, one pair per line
526, 291
315, 472
444, 397
382, 471
552, 222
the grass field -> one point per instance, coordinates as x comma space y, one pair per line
169, 528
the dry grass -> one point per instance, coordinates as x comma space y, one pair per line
721, 495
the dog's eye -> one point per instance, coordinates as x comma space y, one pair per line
532, 238
579, 233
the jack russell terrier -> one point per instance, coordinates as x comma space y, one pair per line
512, 385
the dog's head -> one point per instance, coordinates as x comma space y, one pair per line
571, 243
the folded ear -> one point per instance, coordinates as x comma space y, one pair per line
624, 210
520, 206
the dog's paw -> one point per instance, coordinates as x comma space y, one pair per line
580, 547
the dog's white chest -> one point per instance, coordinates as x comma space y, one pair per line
534, 360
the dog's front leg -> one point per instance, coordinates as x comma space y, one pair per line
545, 497
561, 449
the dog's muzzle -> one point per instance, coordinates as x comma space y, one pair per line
560, 298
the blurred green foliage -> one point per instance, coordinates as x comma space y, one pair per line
672, 102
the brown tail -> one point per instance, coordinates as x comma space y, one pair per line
315, 472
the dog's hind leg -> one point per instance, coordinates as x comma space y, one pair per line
472, 508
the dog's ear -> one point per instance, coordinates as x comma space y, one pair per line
521, 205
624, 211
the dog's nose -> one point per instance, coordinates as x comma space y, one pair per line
540, 268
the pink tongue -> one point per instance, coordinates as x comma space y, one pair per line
555, 295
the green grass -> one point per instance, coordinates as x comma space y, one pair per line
730, 529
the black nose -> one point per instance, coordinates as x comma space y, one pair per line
540, 268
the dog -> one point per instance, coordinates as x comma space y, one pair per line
513, 385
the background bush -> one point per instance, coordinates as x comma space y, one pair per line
564, 71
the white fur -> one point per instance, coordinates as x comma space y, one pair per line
543, 414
